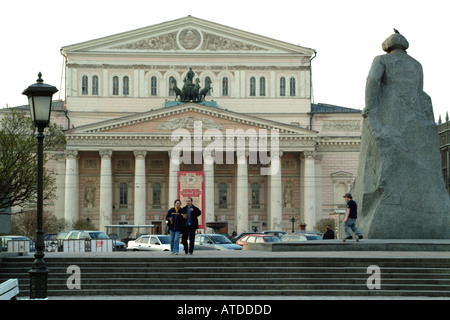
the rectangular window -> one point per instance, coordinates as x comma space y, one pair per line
123, 194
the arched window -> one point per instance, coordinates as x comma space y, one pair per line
283, 87
95, 85
126, 86
115, 86
262, 86
123, 194
171, 92
252, 86
222, 195
157, 194
225, 86
255, 195
153, 86
84, 85
292, 87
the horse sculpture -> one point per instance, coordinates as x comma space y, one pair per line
191, 91
205, 90
178, 92
197, 90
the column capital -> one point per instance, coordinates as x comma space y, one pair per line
138, 153
71, 153
309, 154
106, 153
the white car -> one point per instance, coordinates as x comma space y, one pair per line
154, 242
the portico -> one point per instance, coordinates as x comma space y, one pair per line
138, 163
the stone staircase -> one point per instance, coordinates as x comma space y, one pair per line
238, 276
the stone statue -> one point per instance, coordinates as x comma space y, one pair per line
399, 187
205, 90
191, 89
190, 76
176, 90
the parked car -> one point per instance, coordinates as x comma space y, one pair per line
89, 235
50, 236
257, 238
291, 237
235, 239
157, 242
4, 242
279, 234
214, 242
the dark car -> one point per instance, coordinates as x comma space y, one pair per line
50, 236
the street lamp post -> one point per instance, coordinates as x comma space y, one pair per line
293, 221
40, 101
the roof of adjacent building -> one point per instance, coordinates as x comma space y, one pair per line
330, 108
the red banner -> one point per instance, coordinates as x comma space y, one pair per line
192, 184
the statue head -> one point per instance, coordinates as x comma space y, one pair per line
395, 41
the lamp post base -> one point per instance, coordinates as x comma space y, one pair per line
38, 283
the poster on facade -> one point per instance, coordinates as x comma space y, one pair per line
191, 184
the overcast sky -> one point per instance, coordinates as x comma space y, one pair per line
347, 35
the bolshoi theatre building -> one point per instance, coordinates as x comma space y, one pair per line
253, 153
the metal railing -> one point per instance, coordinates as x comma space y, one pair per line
70, 245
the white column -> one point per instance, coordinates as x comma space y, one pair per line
174, 167
276, 207
71, 187
105, 189
242, 195
208, 168
139, 188
309, 200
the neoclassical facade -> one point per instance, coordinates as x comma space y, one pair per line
264, 152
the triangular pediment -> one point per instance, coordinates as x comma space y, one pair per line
187, 35
164, 121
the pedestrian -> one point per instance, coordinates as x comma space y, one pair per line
328, 234
350, 217
175, 222
190, 215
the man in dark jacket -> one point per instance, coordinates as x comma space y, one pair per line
328, 234
190, 215
350, 217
